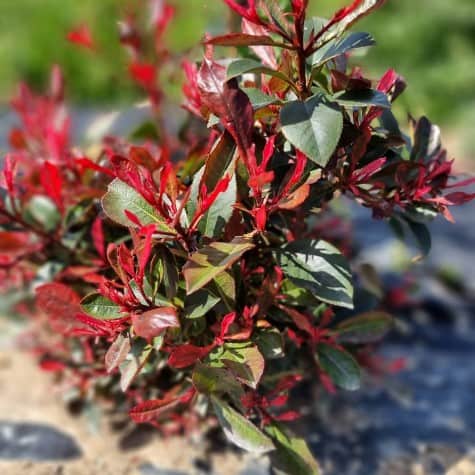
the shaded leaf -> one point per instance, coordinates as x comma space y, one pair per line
42, 210
371, 280
213, 222
259, 99
363, 98
246, 363
337, 48
210, 261
365, 328
270, 343
199, 304
292, 456
340, 366
422, 236
226, 101
426, 140
320, 268
314, 127
246, 66
211, 380
225, 286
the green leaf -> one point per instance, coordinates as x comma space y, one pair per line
219, 163
145, 131
420, 214
210, 380
247, 66
426, 140
340, 366
224, 285
213, 222
313, 25
121, 197
370, 280
422, 236
100, 307
199, 304
259, 99
313, 126
133, 364
210, 261
337, 48
292, 456
320, 268
239, 430
365, 328
42, 210
270, 343
363, 98
247, 364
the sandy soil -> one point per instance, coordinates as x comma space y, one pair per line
27, 395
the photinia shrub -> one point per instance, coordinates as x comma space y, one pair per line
200, 276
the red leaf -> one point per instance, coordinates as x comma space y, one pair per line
260, 215
52, 183
369, 170
143, 73
57, 300
9, 173
86, 163
265, 53
16, 139
60, 303
52, 366
226, 323
150, 410
459, 197
249, 12
81, 36
97, 234
13, 242
226, 101
299, 7
302, 321
145, 252
288, 416
187, 355
259, 181
150, 324
241, 39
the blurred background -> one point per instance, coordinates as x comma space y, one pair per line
430, 42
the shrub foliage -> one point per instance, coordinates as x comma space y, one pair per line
201, 275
